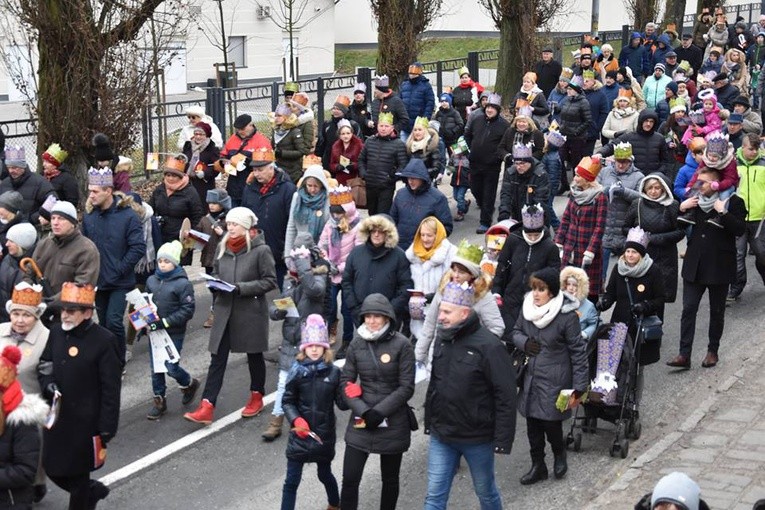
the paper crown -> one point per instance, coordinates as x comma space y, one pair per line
523, 151
588, 74
262, 156
340, 195
470, 252
685, 66
697, 144
283, 109
463, 71
623, 150
291, 86
459, 294
312, 159
639, 236
100, 177
300, 98
360, 87
27, 295
78, 294
525, 111
576, 82
415, 68
697, 117
533, 218
676, 104
717, 143
589, 168
382, 81
624, 93
495, 241
15, 153
314, 332
344, 123
175, 164
555, 139
385, 118
566, 74
494, 99
55, 154
422, 122
343, 100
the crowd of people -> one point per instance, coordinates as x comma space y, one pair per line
660, 143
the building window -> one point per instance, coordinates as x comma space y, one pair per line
236, 54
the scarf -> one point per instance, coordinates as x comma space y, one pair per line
165, 275
707, 203
636, 271
620, 113
421, 145
173, 188
279, 134
541, 316
724, 162
18, 337
146, 264
342, 227
310, 211
529, 241
585, 196
423, 253
265, 188
52, 174
196, 148
447, 334
236, 244
372, 336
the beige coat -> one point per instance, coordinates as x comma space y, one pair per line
31, 349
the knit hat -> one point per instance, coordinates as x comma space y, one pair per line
22, 234
314, 332
588, 168
28, 298
723, 76
242, 216
205, 127
66, 210
635, 35
15, 157
102, 147
637, 239
611, 74
446, 98
677, 488
469, 256
11, 201
242, 121
219, 196
673, 87
742, 100
533, 218
55, 155
171, 251
661, 66
736, 118
459, 294
415, 68
551, 277
283, 109
100, 177
9, 361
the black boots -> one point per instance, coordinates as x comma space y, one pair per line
560, 466
537, 473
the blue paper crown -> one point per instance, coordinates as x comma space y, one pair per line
100, 177
523, 151
533, 217
459, 294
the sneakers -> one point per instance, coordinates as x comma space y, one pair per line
189, 392
687, 218
482, 229
209, 322
254, 405
459, 217
203, 414
160, 408
274, 428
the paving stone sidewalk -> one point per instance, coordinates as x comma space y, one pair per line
721, 445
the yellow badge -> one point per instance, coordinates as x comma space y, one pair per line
319, 213
73, 351
530, 190
102, 454
385, 358
26, 352
641, 288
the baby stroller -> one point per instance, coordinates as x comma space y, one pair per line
612, 348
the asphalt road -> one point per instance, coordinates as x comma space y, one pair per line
235, 469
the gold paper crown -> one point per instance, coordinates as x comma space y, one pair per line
82, 294
386, 118
422, 122
566, 73
263, 154
588, 74
291, 86
462, 71
343, 100
340, 195
588, 168
177, 163
624, 93
55, 154
310, 160
27, 295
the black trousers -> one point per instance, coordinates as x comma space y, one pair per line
572, 152
537, 430
380, 200
483, 184
217, 369
79, 488
353, 467
742, 243
692, 294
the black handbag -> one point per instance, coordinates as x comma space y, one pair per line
413, 424
520, 363
650, 326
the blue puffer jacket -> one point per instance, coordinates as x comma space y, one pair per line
272, 210
557, 98
660, 52
684, 176
118, 235
410, 206
632, 57
174, 297
599, 108
417, 95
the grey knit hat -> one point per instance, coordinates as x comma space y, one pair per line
11, 201
22, 234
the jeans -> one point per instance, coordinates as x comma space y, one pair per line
110, 307
459, 196
336, 290
281, 385
692, 293
742, 243
380, 200
553, 165
537, 430
443, 459
484, 183
217, 369
295, 473
353, 467
606, 259
174, 370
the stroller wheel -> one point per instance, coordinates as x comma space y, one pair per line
624, 448
569, 439
614, 451
578, 442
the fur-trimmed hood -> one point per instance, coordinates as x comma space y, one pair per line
381, 221
122, 200
31, 411
432, 145
583, 282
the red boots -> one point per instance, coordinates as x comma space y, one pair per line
254, 405
203, 414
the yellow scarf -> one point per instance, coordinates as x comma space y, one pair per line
417, 246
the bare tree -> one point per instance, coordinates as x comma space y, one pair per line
641, 12
518, 21
399, 25
96, 62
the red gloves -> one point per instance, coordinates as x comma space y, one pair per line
301, 427
352, 390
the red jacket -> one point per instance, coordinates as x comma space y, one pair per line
352, 153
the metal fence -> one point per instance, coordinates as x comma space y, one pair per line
21, 133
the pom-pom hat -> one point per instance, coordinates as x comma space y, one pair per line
314, 332
171, 251
679, 489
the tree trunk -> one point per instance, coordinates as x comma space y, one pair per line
645, 12
674, 12
517, 51
397, 32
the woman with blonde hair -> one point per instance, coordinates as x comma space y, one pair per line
623, 118
531, 96
738, 71
576, 286
606, 61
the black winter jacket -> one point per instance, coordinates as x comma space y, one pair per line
66, 188
33, 187
521, 189
173, 209
207, 157
483, 136
452, 125
548, 75
272, 210
575, 117
512, 137
392, 104
726, 94
385, 371
174, 297
313, 388
361, 114
648, 147
471, 397
380, 160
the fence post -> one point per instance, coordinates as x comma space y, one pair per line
146, 140
439, 78
472, 64
626, 35
215, 106
320, 100
274, 95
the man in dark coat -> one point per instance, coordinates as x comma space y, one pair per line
726, 92
82, 365
269, 196
416, 201
245, 141
360, 111
117, 232
709, 264
649, 149
418, 98
548, 71
471, 402
328, 134
524, 182
690, 53
632, 55
381, 158
575, 121
386, 101
599, 109
483, 133
34, 188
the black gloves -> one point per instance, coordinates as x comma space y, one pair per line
532, 347
639, 308
105, 437
278, 153
601, 305
157, 324
339, 168
373, 419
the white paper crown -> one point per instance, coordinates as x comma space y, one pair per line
100, 177
523, 151
638, 235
